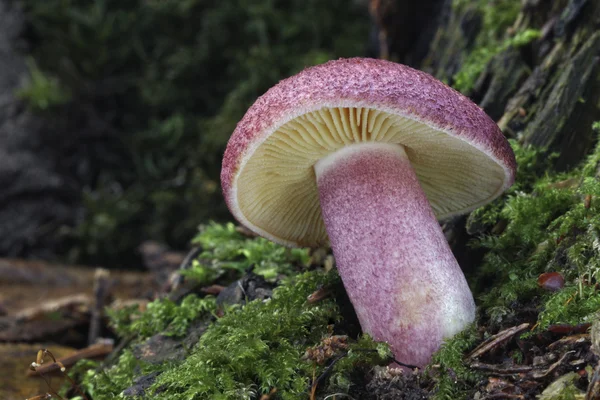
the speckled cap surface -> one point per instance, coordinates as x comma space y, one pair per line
414, 107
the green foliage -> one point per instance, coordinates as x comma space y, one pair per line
552, 225
225, 249
168, 80
161, 316
42, 91
365, 350
496, 18
454, 378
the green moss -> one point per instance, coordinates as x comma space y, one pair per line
256, 348
477, 60
224, 249
161, 316
532, 164
365, 353
108, 383
453, 377
572, 306
551, 225
496, 17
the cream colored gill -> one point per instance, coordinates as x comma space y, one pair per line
277, 191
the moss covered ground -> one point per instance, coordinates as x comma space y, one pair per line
547, 222
251, 349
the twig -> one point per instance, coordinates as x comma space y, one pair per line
500, 370
551, 368
177, 279
496, 340
93, 351
315, 383
570, 341
413, 367
101, 294
36, 365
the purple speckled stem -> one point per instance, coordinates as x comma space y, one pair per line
401, 276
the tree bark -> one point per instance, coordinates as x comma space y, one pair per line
545, 93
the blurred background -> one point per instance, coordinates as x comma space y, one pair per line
114, 114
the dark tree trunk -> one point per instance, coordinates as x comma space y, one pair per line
545, 93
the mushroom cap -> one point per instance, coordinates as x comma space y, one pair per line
461, 157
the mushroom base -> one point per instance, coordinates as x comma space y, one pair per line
400, 274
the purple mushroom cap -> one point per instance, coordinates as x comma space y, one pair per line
374, 84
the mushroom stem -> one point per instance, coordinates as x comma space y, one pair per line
400, 274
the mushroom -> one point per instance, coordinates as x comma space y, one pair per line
368, 154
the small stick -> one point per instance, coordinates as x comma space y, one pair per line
38, 363
551, 368
496, 369
497, 339
101, 294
